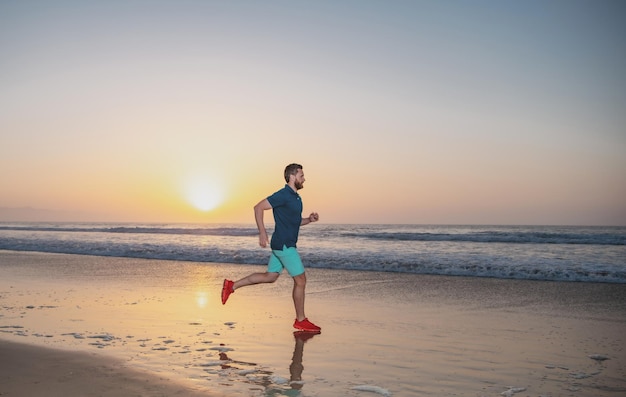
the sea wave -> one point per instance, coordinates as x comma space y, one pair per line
533, 268
587, 254
590, 236
204, 231
499, 237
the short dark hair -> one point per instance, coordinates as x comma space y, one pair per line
291, 169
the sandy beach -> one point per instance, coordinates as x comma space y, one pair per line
31, 370
87, 325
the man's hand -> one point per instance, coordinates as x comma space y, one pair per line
314, 217
263, 240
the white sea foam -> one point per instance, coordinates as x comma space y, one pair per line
76, 335
296, 382
279, 380
373, 389
583, 375
222, 349
105, 337
213, 363
512, 390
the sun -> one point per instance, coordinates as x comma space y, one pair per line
204, 193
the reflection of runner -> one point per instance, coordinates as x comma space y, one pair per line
265, 378
296, 367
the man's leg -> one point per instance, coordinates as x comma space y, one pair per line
290, 260
256, 278
299, 284
274, 269
301, 323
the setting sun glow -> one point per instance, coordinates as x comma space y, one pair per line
204, 193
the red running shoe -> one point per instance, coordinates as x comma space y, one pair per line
306, 325
227, 289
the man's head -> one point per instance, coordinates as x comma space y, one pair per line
294, 172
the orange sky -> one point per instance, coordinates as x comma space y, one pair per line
420, 112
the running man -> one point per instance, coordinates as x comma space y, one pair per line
286, 205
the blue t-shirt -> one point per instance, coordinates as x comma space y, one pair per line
287, 207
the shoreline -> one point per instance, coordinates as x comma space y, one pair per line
405, 334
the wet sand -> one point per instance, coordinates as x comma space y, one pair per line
147, 327
30, 370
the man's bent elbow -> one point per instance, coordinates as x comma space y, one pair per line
262, 206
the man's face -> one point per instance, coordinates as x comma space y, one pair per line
299, 179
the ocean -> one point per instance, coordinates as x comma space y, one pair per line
556, 253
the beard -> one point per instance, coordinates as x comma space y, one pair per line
298, 185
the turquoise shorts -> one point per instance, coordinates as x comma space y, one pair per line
287, 258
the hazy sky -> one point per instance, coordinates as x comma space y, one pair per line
463, 112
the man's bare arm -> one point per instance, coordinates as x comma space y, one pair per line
259, 209
314, 217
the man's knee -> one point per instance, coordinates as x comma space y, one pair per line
300, 279
271, 277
